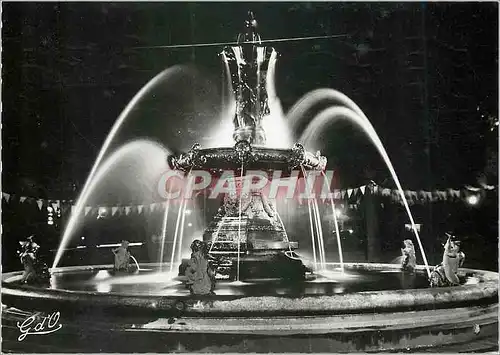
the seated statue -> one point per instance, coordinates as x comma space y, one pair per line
446, 273
409, 259
199, 273
36, 270
122, 257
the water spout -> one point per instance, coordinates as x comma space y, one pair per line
311, 225
164, 233
181, 233
319, 228
336, 222
140, 147
317, 222
104, 149
239, 225
336, 112
276, 121
309, 100
180, 216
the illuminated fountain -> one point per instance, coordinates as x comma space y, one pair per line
343, 307
247, 237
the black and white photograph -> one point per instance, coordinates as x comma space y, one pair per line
249, 177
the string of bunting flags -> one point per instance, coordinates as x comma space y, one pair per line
350, 194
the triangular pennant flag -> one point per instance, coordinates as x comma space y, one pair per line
39, 203
127, 210
87, 210
349, 193
412, 196
6, 196
386, 192
152, 207
22, 199
342, 193
139, 208
336, 194
113, 210
64, 208
395, 195
442, 195
362, 188
55, 205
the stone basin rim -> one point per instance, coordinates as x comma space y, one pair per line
486, 290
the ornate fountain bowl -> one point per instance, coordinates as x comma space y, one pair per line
169, 319
252, 157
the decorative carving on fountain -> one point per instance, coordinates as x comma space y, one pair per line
258, 226
35, 268
300, 157
248, 63
185, 160
260, 207
252, 157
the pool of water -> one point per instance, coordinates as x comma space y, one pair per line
154, 282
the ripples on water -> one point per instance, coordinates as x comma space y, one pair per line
164, 283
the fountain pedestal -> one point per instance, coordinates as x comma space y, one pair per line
247, 241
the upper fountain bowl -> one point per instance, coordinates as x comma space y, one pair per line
252, 157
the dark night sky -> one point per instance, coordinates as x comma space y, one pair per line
424, 74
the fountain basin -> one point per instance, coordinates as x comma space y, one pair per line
441, 318
255, 158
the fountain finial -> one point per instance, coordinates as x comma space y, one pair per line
247, 65
250, 33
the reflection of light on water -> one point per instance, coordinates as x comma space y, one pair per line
281, 291
157, 277
472, 281
339, 289
101, 275
103, 287
164, 278
238, 283
334, 276
226, 291
13, 279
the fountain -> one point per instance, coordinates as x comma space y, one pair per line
247, 237
267, 299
